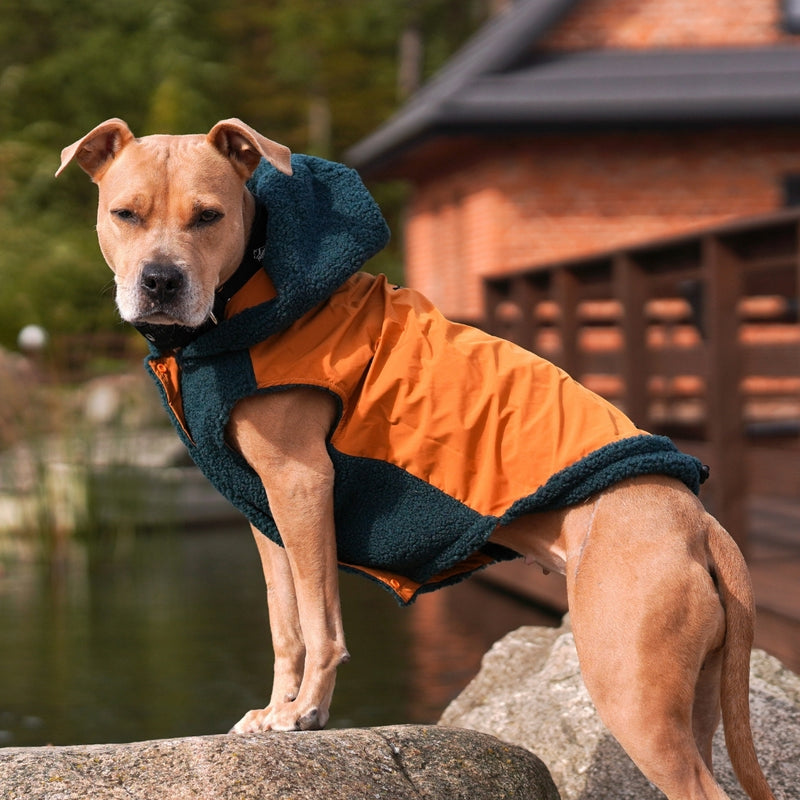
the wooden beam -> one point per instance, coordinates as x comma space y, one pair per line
565, 291
724, 285
630, 288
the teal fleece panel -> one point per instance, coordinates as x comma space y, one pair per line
322, 227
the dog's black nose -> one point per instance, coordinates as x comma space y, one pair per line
161, 282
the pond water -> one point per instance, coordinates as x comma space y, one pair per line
170, 638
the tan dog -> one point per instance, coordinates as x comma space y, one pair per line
659, 595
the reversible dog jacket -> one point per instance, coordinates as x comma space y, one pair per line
443, 432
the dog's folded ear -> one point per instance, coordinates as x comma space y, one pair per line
94, 150
245, 146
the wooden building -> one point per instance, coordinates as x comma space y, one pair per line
568, 127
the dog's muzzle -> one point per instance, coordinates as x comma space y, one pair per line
162, 286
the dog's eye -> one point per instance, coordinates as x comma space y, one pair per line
207, 217
124, 214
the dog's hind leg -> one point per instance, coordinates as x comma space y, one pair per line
646, 618
707, 711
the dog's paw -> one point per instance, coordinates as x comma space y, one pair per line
280, 717
254, 721
311, 721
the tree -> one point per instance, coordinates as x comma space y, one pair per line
63, 69
317, 75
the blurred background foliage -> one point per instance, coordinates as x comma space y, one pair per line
316, 75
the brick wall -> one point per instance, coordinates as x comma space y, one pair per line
527, 202
498, 205
668, 23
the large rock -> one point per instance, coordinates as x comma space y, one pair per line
395, 763
529, 692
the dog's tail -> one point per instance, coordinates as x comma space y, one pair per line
736, 594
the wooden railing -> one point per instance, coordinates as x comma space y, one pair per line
695, 337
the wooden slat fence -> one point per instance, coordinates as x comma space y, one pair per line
695, 337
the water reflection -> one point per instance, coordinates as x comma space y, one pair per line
171, 639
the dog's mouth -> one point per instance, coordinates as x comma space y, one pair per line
170, 335
158, 318
167, 323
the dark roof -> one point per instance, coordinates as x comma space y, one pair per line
499, 80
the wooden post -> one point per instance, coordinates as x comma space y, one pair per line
797, 272
630, 288
724, 407
525, 296
493, 295
565, 293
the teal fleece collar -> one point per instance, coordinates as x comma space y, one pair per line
322, 226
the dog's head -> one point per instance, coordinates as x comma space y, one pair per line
173, 214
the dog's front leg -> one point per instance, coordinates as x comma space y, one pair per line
284, 622
287, 635
282, 436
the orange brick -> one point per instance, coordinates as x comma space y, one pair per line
529, 201
637, 24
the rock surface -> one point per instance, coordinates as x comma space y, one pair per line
529, 692
395, 763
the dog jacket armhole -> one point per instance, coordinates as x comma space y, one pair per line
167, 371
